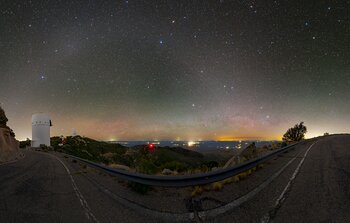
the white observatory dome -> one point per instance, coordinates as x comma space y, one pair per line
41, 124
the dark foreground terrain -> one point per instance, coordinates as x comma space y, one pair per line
314, 187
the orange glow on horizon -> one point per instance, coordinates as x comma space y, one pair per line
242, 138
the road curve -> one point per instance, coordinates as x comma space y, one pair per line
44, 188
321, 191
313, 188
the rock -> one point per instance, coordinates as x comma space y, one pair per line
3, 118
9, 146
119, 166
214, 168
169, 172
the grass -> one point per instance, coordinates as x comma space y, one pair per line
217, 186
198, 190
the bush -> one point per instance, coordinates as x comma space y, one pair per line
175, 165
124, 160
198, 190
284, 144
24, 144
3, 118
204, 169
147, 167
211, 164
217, 186
295, 134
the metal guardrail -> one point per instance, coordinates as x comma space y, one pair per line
187, 180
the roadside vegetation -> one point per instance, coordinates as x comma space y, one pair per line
3, 122
169, 160
294, 134
162, 160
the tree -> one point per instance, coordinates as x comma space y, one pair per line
3, 118
295, 134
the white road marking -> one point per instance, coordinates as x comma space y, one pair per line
239, 201
281, 198
83, 202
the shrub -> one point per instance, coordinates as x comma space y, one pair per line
217, 186
204, 169
3, 118
242, 176
211, 164
24, 144
175, 165
147, 167
198, 190
295, 134
124, 160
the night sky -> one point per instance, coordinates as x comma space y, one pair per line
167, 70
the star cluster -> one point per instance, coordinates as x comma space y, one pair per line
189, 70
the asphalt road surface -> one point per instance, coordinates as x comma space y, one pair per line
314, 188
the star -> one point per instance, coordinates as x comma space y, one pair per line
223, 65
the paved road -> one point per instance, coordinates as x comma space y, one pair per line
321, 191
42, 188
314, 188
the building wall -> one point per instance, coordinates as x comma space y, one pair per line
40, 130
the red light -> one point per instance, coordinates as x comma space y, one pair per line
151, 147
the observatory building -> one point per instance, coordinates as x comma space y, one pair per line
41, 124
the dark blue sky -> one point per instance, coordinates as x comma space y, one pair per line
184, 70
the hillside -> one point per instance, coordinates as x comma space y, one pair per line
9, 146
166, 160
